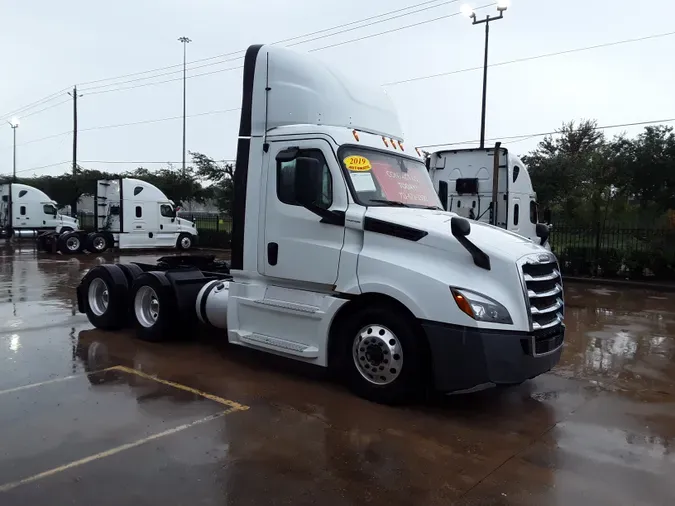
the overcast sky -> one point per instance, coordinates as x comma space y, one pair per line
48, 46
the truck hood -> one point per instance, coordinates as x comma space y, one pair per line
67, 219
186, 225
494, 241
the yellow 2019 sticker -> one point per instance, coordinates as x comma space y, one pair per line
357, 163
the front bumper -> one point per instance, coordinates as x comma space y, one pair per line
464, 357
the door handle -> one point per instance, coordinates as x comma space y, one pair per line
272, 253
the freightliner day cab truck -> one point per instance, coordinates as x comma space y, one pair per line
342, 255
474, 184
26, 212
128, 214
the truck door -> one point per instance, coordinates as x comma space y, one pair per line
168, 229
139, 233
297, 245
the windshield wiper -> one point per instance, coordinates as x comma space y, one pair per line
393, 203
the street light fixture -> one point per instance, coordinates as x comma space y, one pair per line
14, 123
467, 10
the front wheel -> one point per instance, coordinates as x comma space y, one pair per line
383, 356
185, 242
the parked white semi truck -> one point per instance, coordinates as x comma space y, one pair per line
342, 255
474, 184
26, 211
128, 214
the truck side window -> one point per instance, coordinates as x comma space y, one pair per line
533, 211
139, 211
166, 210
49, 209
516, 214
516, 171
286, 180
5, 198
22, 193
22, 210
138, 190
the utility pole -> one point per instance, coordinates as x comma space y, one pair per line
502, 5
185, 42
14, 123
73, 207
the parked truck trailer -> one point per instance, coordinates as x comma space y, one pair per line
128, 214
26, 212
342, 255
474, 184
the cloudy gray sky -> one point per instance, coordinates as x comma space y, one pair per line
49, 46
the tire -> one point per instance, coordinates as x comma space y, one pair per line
131, 272
104, 291
70, 243
185, 242
393, 356
65, 230
97, 242
154, 308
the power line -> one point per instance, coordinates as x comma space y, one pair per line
282, 41
45, 109
39, 102
537, 57
119, 125
43, 166
543, 134
439, 18
396, 29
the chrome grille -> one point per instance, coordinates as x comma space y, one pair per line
543, 290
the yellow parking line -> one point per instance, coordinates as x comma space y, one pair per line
234, 405
48, 382
9, 486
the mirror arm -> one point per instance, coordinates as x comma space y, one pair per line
326, 215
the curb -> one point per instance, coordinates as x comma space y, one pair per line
624, 283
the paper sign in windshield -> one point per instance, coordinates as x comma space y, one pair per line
357, 163
363, 181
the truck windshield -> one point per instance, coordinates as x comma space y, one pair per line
386, 179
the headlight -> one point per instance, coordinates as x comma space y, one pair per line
480, 308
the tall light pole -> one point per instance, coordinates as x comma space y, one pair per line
185, 42
14, 123
467, 10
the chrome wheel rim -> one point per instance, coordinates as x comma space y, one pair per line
98, 243
186, 242
146, 306
377, 354
73, 243
98, 296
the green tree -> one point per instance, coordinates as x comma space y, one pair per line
219, 177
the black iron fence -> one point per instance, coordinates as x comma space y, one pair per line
615, 251
594, 250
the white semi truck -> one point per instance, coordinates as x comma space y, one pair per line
128, 214
26, 211
474, 184
342, 255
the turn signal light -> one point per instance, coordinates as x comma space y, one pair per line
462, 303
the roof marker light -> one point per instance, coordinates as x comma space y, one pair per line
385, 142
400, 145
418, 151
393, 143
356, 135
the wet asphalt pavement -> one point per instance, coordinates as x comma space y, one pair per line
88, 417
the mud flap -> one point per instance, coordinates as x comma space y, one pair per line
80, 298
